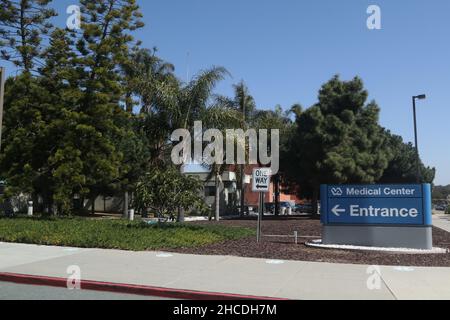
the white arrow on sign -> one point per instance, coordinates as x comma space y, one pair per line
337, 211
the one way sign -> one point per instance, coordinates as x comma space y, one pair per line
261, 180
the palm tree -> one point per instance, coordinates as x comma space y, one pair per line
171, 104
143, 74
197, 95
221, 117
168, 104
278, 119
216, 172
244, 103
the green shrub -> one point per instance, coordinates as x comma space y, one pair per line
113, 234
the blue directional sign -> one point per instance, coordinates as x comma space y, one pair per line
376, 205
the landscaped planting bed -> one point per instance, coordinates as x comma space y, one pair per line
286, 249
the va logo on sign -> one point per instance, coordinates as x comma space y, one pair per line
337, 192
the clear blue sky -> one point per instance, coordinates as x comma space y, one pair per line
286, 49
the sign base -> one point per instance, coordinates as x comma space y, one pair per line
386, 237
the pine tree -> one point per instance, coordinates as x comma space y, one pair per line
64, 175
102, 48
402, 163
23, 23
40, 119
66, 132
23, 127
338, 140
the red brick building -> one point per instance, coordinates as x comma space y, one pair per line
252, 198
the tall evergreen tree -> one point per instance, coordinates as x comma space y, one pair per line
23, 127
66, 130
64, 165
102, 48
402, 163
338, 140
44, 108
23, 23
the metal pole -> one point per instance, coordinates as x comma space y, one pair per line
260, 216
242, 167
2, 93
418, 175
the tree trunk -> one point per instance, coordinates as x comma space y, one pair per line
210, 213
36, 204
93, 206
277, 194
242, 213
125, 205
180, 215
47, 204
217, 198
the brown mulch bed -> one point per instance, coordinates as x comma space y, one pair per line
286, 249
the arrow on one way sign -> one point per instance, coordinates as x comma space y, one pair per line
261, 180
337, 211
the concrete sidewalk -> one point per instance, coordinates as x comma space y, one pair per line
442, 221
222, 274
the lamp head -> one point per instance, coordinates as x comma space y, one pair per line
421, 97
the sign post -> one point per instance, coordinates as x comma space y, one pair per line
260, 216
261, 184
397, 216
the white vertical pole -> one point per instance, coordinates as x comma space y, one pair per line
30, 208
131, 215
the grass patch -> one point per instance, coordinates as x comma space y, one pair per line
114, 234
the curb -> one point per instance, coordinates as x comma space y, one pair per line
128, 288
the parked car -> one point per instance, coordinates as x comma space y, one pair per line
248, 210
304, 208
269, 208
284, 207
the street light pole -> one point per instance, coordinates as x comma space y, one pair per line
2, 93
418, 174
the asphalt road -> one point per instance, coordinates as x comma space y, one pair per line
11, 291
